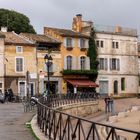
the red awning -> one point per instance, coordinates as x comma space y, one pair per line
82, 83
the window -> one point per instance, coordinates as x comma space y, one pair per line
114, 64
83, 63
69, 62
82, 43
115, 44
19, 49
68, 42
103, 63
122, 83
100, 43
19, 64
0, 85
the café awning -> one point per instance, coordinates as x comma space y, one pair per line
82, 83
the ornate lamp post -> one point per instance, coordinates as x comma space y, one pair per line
48, 61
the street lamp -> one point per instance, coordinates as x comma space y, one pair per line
48, 61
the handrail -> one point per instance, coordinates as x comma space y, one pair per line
59, 125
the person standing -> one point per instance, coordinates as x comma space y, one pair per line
111, 105
107, 108
6, 96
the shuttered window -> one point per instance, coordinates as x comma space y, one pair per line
19, 64
83, 63
103, 64
69, 62
114, 64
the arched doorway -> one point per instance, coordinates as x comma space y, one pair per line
115, 87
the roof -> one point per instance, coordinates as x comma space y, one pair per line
39, 38
66, 32
13, 38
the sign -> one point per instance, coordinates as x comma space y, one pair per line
42, 75
33, 75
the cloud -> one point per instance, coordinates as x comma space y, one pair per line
59, 13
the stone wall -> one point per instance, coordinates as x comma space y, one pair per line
80, 109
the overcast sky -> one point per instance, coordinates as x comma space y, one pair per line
59, 13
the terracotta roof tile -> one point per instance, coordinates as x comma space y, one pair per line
39, 38
13, 38
67, 32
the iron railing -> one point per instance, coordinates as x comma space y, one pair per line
57, 125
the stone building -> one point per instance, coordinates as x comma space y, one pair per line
46, 45
19, 62
117, 55
75, 67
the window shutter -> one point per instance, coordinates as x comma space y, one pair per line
65, 42
74, 63
45, 67
65, 62
79, 44
86, 43
87, 63
106, 64
110, 64
72, 42
79, 64
118, 64
55, 67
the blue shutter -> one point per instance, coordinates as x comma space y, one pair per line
74, 63
65, 42
79, 63
118, 64
110, 64
106, 64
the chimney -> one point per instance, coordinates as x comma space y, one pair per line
118, 29
77, 23
4, 29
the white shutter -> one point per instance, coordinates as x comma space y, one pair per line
87, 63
118, 64
74, 63
86, 43
72, 42
65, 44
79, 43
79, 65
65, 62
45, 68
110, 64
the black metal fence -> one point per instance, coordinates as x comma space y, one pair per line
57, 125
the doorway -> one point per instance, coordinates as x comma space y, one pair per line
115, 87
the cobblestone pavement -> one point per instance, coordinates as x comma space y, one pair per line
12, 122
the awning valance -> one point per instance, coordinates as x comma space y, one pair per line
82, 83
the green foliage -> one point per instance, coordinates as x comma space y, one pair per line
15, 21
93, 53
80, 72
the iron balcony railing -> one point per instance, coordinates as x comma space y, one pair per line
57, 125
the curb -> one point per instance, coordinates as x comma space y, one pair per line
36, 129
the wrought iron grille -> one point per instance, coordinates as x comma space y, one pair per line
57, 125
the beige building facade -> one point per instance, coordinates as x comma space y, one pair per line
117, 55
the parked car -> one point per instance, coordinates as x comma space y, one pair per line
2, 98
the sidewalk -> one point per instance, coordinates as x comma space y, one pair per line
12, 122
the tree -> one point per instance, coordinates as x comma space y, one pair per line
15, 21
93, 54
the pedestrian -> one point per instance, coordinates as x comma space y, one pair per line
11, 95
111, 105
6, 96
106, 99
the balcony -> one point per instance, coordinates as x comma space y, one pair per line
79, 72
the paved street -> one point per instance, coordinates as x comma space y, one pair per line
12, 122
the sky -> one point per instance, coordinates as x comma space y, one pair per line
60, 13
